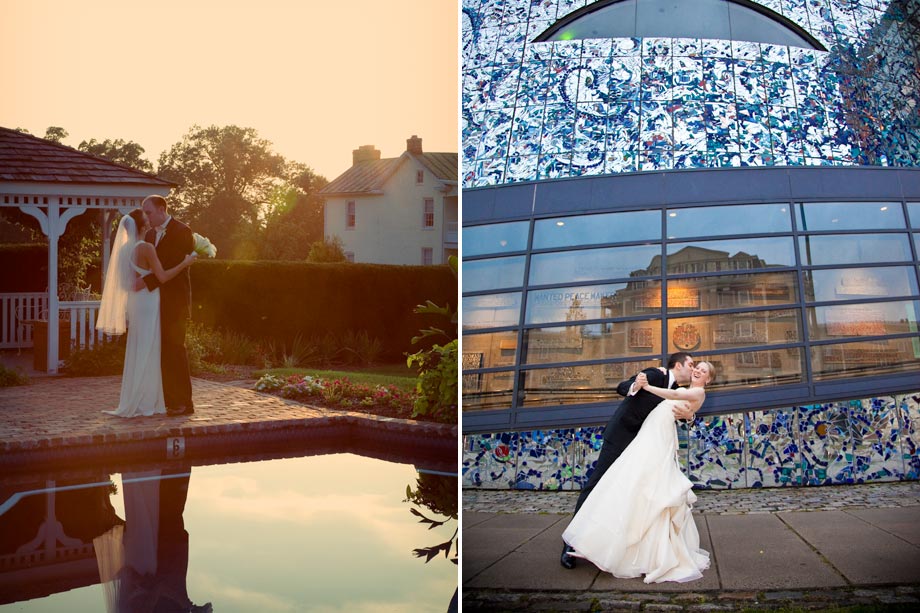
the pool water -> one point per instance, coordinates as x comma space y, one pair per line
322, 533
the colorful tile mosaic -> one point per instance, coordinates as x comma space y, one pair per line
854, 104
860, 441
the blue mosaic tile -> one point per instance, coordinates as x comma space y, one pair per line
909, 419
541, 463
716, 452
773, 457
855, 104
490, 460
827, 449
525, 134
875, 430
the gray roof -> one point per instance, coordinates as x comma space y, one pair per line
369, 177
24, 157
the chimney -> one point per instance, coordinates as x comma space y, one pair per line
414, 145
364, 153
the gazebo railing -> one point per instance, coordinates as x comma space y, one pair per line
83, 331
17, 310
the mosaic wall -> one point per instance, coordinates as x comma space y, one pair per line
533, 111
858, 441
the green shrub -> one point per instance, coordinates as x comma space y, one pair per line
103, 359
276, 301
10, 377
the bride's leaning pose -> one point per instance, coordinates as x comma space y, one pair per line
637, 520
137, 312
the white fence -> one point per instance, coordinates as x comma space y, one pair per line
17, 310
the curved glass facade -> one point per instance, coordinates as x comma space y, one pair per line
755, 204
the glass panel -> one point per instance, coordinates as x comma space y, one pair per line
814, 216
731, 291
913, 211
874, 319
853, 249
497, 273
495, 238
715, 19
737, 254
728, 331
591, 264
855, 283
592, 341
596, 229
491, 311
578, 384
489, 350
593, 302
716, 220
865, 358
917, 243
758, 368
487, 391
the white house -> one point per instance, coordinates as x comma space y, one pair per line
395, 211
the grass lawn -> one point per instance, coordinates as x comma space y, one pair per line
388, 374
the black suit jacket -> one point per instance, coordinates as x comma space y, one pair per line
177, 242
634, 409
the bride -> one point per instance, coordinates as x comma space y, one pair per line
138, 312
638, 519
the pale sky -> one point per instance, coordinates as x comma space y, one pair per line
317, 78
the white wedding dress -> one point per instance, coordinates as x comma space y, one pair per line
142, 379
638, 520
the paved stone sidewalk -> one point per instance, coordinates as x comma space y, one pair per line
56, 413
811, 548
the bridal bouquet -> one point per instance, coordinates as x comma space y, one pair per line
203, 246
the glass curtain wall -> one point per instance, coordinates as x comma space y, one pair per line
557, 311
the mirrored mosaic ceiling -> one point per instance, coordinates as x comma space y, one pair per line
859, 441
546, 110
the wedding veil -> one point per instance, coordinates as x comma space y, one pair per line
119, 280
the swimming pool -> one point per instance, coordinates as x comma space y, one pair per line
335, 532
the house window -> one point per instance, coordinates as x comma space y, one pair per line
350, 215
419, 176
350, 256
427, 256
428, 216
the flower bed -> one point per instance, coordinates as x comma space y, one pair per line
341, 393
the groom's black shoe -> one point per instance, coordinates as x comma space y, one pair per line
183, 410
567, 559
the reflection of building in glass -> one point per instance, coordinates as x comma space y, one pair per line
749, 193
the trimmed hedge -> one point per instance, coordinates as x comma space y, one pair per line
278, 300
25, 268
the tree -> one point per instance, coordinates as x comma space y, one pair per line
295, 218
226, 177
56, 134
126, 153
328, 250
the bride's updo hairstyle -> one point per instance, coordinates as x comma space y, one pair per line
139, 222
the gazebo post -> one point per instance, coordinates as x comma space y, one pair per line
53, 224
106, 243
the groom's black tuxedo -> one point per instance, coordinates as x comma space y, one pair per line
175, 310
624, 425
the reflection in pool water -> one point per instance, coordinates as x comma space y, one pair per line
320, 533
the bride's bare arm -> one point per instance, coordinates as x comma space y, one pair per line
156, 267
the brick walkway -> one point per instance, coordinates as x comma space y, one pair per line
56, 414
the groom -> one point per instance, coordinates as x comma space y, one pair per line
173, 241
626, 420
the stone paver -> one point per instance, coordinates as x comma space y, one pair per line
819, 548
59, 413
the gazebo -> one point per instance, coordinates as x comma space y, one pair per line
54, 183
